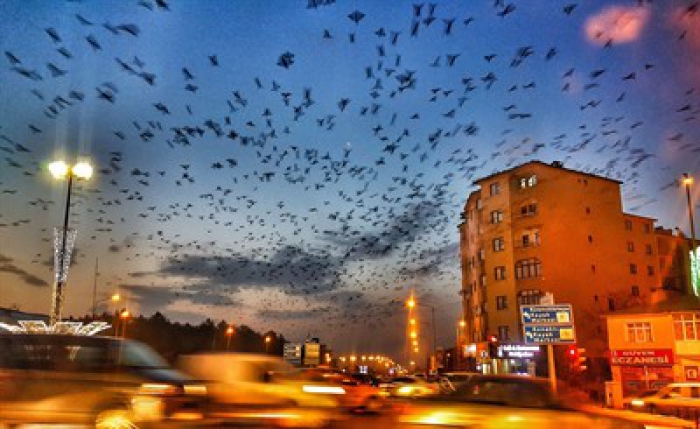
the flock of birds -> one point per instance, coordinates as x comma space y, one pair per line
331, 234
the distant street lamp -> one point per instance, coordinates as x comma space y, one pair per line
60, 170
268, 340
114, 298
124, 316
411, 304
695, 264
229, 334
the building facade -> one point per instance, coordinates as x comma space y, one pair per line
541, 228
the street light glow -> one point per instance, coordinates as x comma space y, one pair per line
58, 169
82, 170
462, 323
116, 297
687, 179
411, 303
229, 330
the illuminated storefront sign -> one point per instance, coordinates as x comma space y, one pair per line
517, 351
651, 357
695, 271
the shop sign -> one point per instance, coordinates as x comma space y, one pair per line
470, 350
650, 357
517, 351
691, 373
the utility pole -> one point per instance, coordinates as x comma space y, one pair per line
94, 291
687, 181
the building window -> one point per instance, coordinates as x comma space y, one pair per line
588, 210
633, 268
628, 225
528, 209
630, 246
499, 273
593, 268
482, 280
611, 304
639, 332
529, 297
501, 302
503, 333
527, 182
528, 268
635, 290
496, 216
650, 270
648, 249
687, 326
647, 228
479, 204
498, 244
590, 239
526, 240
495, 188
482, 254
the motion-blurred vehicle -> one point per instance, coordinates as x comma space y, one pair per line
247, 388
101, 381
627, 402
670, 399
358, 397
365, 379
501, 402
408, 387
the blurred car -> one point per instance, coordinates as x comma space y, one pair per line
449, 381
669, 399
365, 379
627, 402
358, 396
249, 388
101, 381
408, 387
501, 402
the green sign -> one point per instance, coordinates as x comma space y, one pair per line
695, 271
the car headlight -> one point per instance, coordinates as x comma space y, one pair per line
637, 403
404, 390
195, 389
329, 390
159, 389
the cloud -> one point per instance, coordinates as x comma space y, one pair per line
617, 24
160, 297
7, 266
290, 268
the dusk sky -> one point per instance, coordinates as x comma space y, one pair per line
301, 165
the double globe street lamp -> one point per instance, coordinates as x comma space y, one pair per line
61, 171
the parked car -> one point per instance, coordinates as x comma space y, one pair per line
501, 402
671, 399
248, 388
66, 379
408, 387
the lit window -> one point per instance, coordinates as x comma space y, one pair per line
499, 273
687, 326
639, 332
528, 268
495, 188
496, 216
527, 182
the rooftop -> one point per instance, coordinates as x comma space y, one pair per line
556, 164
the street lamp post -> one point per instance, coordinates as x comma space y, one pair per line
688, 181
60, 170
229, 334
116, 297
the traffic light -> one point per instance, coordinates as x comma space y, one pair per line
493, 346
582, 360
577, 358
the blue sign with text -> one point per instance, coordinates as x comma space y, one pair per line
549, 334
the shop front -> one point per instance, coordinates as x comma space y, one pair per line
642, 369
489, 358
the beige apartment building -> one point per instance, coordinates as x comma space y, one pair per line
542, 228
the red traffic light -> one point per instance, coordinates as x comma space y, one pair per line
572, 352
492, 339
